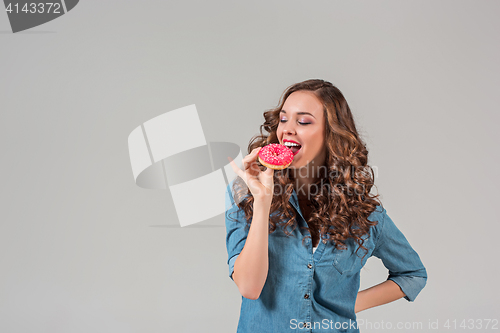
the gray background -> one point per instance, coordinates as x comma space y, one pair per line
84, 249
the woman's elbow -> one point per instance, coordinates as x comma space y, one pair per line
247, 290
250, 293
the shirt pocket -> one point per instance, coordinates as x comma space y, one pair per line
344, 260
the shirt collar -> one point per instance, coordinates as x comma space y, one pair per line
294, 200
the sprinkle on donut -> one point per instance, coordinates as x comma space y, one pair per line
275, 156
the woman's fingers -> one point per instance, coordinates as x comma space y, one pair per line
251, 174
255, 150
250, 158
236, 169
243, 174
266, 177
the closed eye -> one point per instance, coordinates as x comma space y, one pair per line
284, 121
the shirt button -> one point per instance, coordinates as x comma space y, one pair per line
324, 241
306, 296
309, 266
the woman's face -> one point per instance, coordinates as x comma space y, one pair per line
302, 121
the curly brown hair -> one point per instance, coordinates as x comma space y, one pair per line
343, 204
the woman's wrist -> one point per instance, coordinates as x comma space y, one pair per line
263, 202
359, 305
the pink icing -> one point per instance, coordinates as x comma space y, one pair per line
276, 154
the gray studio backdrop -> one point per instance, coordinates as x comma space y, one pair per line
84, 249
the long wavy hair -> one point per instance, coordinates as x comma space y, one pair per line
340, 209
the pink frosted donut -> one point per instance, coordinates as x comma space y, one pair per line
275, 156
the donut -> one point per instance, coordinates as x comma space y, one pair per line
275, 156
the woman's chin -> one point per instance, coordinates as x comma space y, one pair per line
297, 156
296, 164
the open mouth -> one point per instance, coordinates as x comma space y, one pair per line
294, 148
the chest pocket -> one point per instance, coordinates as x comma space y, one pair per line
346, 260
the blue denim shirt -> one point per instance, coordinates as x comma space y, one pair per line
308, 291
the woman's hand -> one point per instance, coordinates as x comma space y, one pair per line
260, 183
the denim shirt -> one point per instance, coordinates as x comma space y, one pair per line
308, 291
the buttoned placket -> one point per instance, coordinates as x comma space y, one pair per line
293, 296
316, 254
310, 265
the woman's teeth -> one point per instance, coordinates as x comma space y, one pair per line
293, 146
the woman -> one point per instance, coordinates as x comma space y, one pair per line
289, 279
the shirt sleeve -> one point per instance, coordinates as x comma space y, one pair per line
404, 264
236, 233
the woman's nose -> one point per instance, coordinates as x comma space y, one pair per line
288, 130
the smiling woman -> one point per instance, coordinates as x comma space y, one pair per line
293, 145
305, 129
302, 234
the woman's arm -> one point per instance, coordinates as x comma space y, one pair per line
407, 274
383, 293
252, 264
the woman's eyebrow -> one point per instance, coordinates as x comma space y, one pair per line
301, 112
